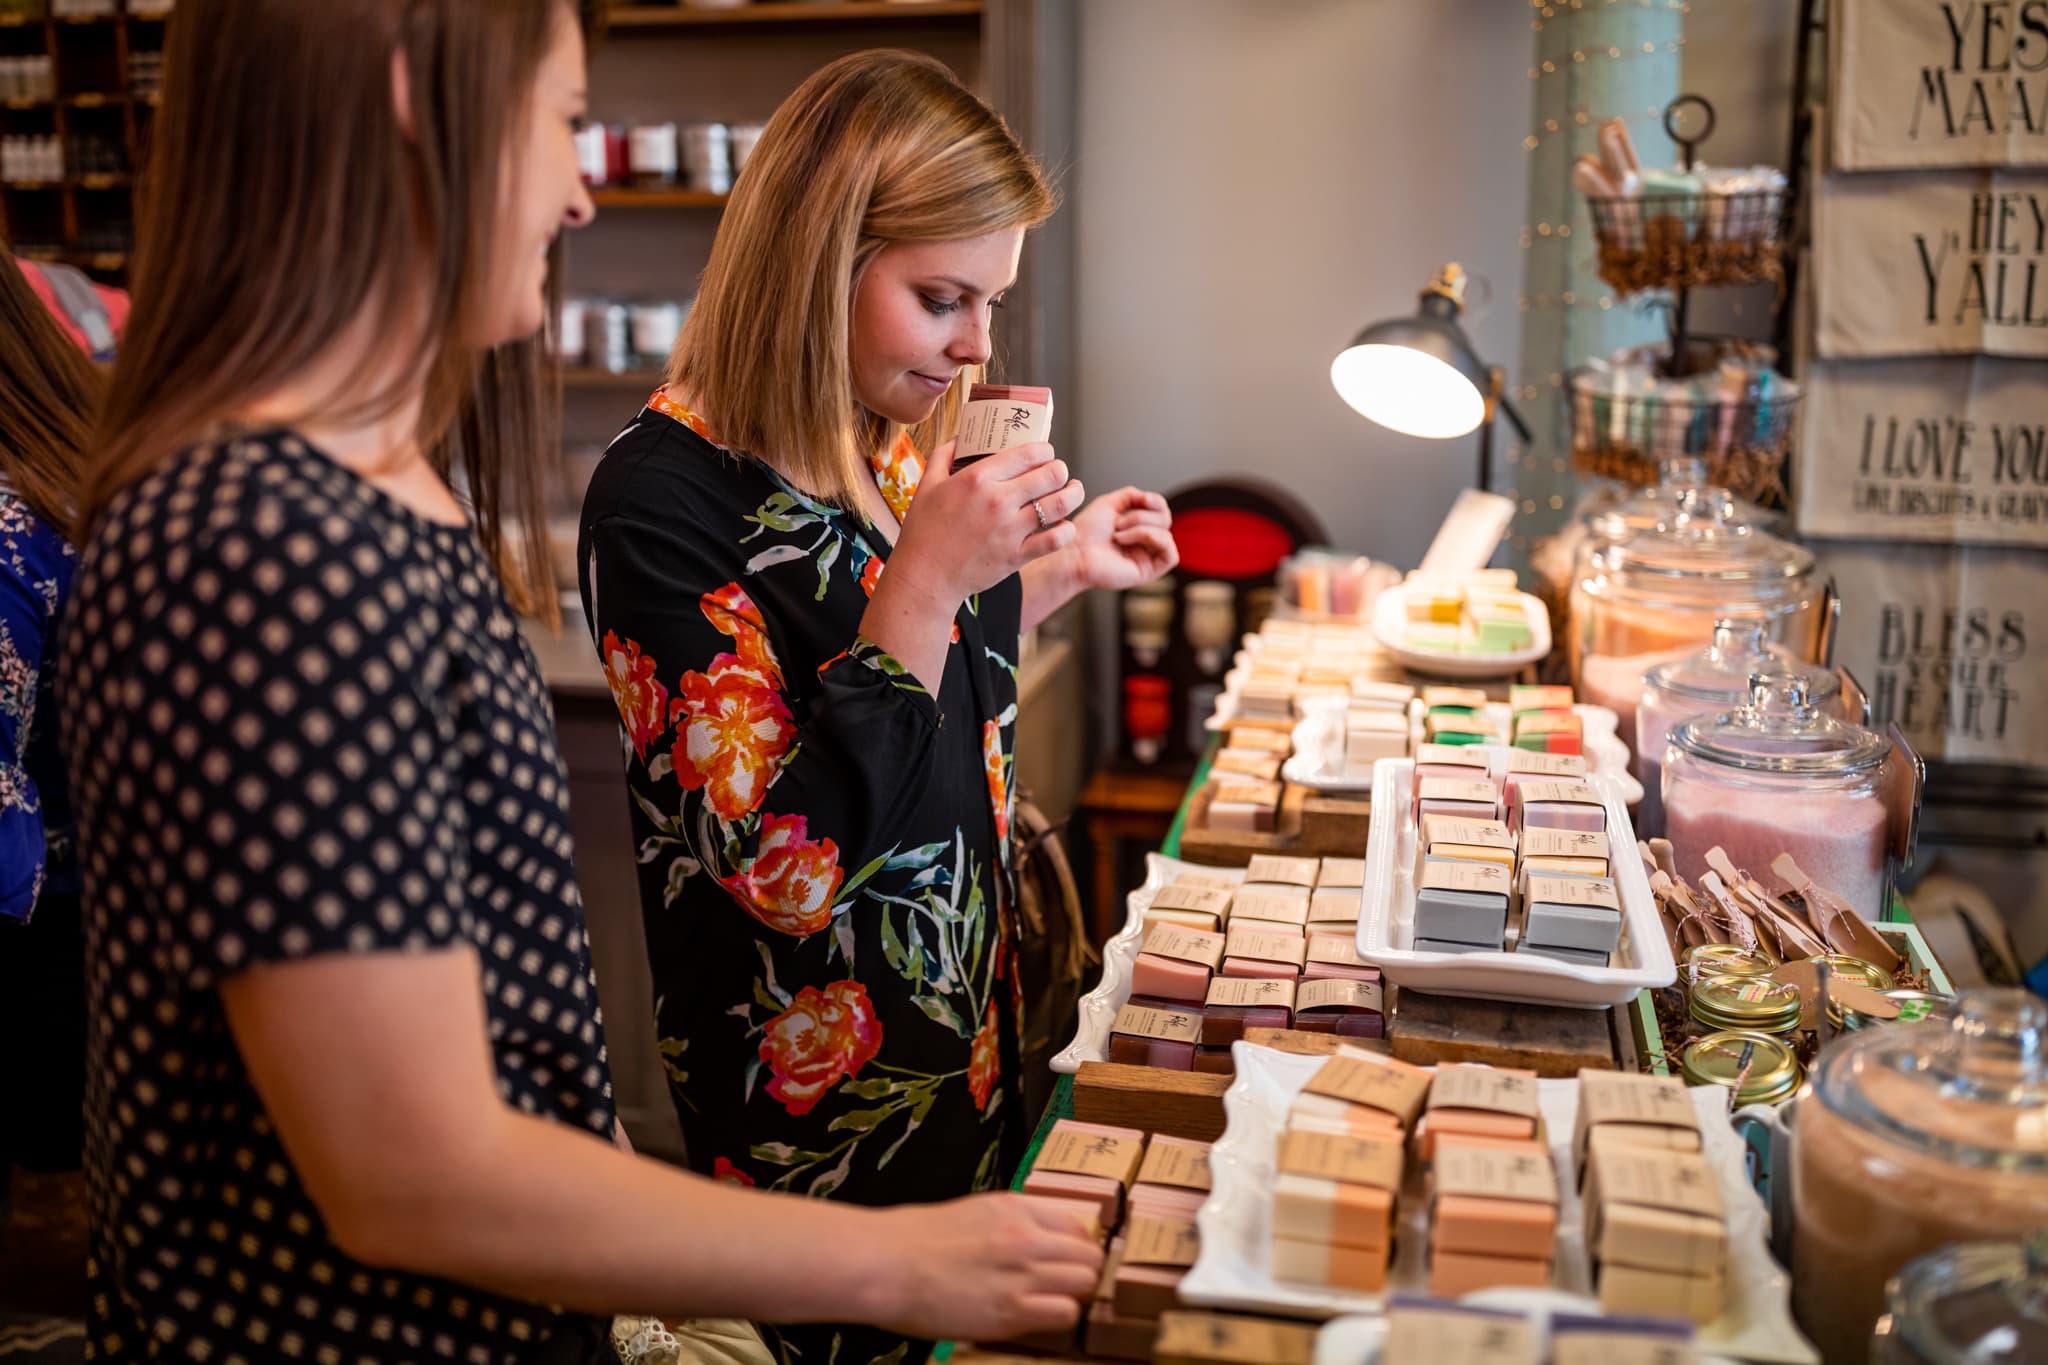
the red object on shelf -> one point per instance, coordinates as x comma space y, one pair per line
1148, 707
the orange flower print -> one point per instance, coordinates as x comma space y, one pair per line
734, 613
724, 1170
897, 474
985, 1064
670, 408
641, 700
992, 759
791, 881
733, 729
819, 1040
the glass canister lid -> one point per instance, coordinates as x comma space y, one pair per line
1972, 1094
1718, 676
1759, 1068
1781, 730
1701, 559
1982, 1303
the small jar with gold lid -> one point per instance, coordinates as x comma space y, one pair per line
1761, 1068
1756, 1003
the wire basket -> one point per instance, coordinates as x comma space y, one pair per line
1688, 241
1740, 443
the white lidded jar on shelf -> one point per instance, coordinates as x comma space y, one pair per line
1705, 684
1780, 776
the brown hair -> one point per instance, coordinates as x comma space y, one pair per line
284, 199
49, 395
878, 147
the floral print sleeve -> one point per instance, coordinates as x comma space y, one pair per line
822, 842
36, 567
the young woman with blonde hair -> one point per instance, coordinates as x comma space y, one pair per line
811, 628
348, 1096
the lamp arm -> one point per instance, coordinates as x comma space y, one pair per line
1515, 419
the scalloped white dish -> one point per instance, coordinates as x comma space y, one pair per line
1098, 1008
1236, 1222
1318, 759
1390, 620
1386, 929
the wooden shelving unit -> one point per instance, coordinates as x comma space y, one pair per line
86, 219
642, 17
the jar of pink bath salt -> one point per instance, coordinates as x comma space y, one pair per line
1779, 775
1714, 680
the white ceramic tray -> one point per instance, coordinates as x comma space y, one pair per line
1318, 758
1098, 1008
1386, 929
1389, 627
1236, 1221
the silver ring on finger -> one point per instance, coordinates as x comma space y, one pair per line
1043, 524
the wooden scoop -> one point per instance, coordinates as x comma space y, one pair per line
1787, 934
1845, 930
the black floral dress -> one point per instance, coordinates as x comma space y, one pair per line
823, 844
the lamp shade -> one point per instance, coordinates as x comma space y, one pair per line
1414, 375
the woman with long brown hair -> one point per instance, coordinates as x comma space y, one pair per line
812, 632
49, 394
348, 1095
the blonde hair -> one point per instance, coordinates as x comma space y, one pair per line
879, 147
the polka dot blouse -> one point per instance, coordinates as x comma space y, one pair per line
300, 720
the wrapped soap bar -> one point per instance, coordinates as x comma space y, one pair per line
1573, 852
1271, 869
1657, 1210
1087, 1161
1158, 1251
1106, 1195
1176, 963
1149, 1035
1462, 901
1468, 699
1479, 1101
1446, 945
1175, 1163
1557, 805
1222, 1339
1581, 1340
998, 416
1349, 1008
1524, 698
1335, 907
1550, 734
1456, 729
1367, 744
1632, 1289
1215, 1061
1271, 904
1431, 1332
1275, 742
1213, 902
1380, 696
1086, 1213
1454, 1274
1235, 1004
1494, 1200
1253, 951
1244, 805
1338, 873
1328, 1114
1111, 1337
1441, 831
1359, 1077
1251, 763
1629, 1108
1260, 699
1578, 913
1524, 767
1577, 957
1334, 957
1463, 800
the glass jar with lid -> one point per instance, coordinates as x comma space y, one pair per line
1757, 1004
1705, 684
1985, 1303
1779, 776
1910, 1139
1760, 1068
1658, 596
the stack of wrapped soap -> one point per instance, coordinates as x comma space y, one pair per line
1156, 1034
1493, 1189
1089, 1162
1244, 805
1577, 1339
1234, 1004
1465, 874
1542, 720
1451, 762
1456, 716
1475, 613
1341, 1164
1656, 1226
1435, 1332
1256, 764
1572, 918
1175, 964
1153, 1252
1523, 766
1555, 804
1193, 900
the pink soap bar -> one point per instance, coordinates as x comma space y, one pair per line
1454, 1274
1455, 772
1104, 1193
1223, 1025
1258, 969
1518, 1228
1169, 978
1337, 1267
1458, 810
1146, 1291
1157, 1052
1111, 1337
1165, 1201
1338, 971
1575, 816
1216, 1061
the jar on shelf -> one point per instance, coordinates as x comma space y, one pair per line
1983, 1303
1703, 960
1779, 776
1911, 1139
1658, 597
653, 156
1148, 714
1759, 1068
1748, 1004
1210, 623
1705, 684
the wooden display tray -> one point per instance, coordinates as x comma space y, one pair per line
1182, 1104
1308, 825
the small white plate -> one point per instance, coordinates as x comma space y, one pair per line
1318, 759
1642, 961
1233, 1270
1389, 627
